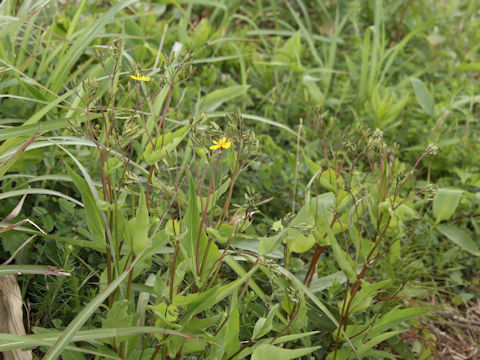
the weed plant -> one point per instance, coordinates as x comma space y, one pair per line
229, 180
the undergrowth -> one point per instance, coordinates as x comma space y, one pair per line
230, 179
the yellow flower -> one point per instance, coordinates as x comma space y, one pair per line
222, 143
140, 78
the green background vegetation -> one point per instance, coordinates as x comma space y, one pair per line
342, 218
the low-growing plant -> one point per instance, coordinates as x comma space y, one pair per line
167, 162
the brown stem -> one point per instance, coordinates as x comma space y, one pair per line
130, 277
197, 254
149, 182
313, 264
233, 179
172, 269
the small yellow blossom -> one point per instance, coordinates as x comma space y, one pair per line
140, 77
222, 143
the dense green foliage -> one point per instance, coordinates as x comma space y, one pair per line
341, 198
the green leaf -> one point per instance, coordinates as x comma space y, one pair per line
301, 286
77, 242
12, 142
291, 51
12, 342
267, 351
192, 223
170, 142
395, 317
364, 296
331, 182
222, 234
365, 350
475, 66
293, 337
66, 63
271, 243
310, 214
264, 325
255, 118
240, 271
216, 98
118, 317
92, 213
29, 130
31, 269
320, 284
227, 337
136, 229
198, 302
39, 191
343, 259
296, 240
214, 196
424, 97
445, 203
189, 240
7, 164
459, 237
315, 93
72, 329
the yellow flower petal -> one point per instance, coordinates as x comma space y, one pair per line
222, 143
140, 77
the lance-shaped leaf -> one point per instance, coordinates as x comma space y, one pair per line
216, 98
267, 351
136, 229
92, 213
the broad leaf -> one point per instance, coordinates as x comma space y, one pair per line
265, 325
227, 337
445, 203
459, 237
424, 97
118, 317
164, 145
267, 351
136, 229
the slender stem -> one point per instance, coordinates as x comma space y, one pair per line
241, 349
224, 253
157, 349
233, 179
313, 264
296, 166
197, 256
174, 262
154, 143
130, 277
